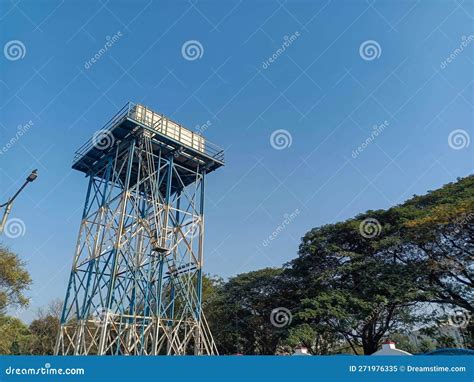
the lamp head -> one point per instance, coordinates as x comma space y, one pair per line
32, 176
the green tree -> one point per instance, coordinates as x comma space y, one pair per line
353, 284
240, 318
315, 338
438, 234
15, 337
364, 287
14, 281
44, 329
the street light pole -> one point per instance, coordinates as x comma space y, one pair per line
8, 205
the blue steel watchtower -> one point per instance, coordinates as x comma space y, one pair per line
136, 280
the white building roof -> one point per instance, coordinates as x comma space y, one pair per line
389, 348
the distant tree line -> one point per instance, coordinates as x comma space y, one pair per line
382, 275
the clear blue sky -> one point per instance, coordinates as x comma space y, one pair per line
320, 89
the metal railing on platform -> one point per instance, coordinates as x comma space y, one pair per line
159, 124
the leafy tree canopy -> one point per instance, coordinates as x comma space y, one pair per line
14, 280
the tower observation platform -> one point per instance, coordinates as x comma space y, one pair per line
190, 149
135, 286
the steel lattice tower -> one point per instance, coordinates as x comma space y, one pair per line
136, 281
